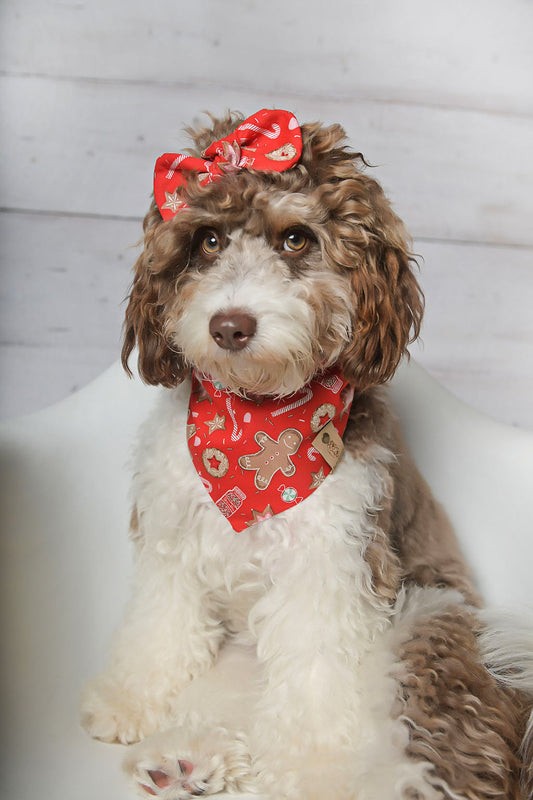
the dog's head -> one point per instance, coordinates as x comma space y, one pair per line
268, 277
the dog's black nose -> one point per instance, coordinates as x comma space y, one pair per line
232, 330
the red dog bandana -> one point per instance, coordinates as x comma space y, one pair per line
258, 458
270, 141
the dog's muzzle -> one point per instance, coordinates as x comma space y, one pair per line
232, 330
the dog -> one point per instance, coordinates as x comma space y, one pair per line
302, 624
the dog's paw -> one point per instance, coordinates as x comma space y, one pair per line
179, 779
111, 713
183, 763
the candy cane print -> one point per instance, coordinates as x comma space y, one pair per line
237, 433
273, 134
303, 400
173, 167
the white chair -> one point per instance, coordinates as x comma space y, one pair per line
66, 560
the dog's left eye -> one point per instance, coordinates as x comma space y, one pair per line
295, 242
210, 243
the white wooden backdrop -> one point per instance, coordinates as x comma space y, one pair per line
438, 95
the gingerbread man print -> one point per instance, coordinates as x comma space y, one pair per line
273, 456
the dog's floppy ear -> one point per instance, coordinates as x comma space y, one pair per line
366, 239
388, 314
152, 290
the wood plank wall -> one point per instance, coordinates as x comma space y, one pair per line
438, 95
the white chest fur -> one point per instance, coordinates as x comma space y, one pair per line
320, 541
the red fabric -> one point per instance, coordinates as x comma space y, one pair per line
256, 458
270, 140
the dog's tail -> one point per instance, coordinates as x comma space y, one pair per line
506, 643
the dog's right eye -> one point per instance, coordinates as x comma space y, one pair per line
210, 243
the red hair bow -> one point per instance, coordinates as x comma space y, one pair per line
271, 140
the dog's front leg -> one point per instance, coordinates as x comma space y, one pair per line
167, 638
313, 627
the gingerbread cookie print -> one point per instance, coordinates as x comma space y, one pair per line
215, 462
323, 414
273, 456
284, 153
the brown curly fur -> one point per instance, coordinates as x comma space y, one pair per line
421, 546
461, 721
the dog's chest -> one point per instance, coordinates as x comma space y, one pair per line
315, 546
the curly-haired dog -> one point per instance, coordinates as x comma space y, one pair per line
302, 622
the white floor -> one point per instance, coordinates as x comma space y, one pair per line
438, 95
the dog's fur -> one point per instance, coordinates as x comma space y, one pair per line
334, 651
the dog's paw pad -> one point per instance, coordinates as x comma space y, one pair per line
159, 778
175, 782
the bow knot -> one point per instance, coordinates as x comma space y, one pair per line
271, 140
